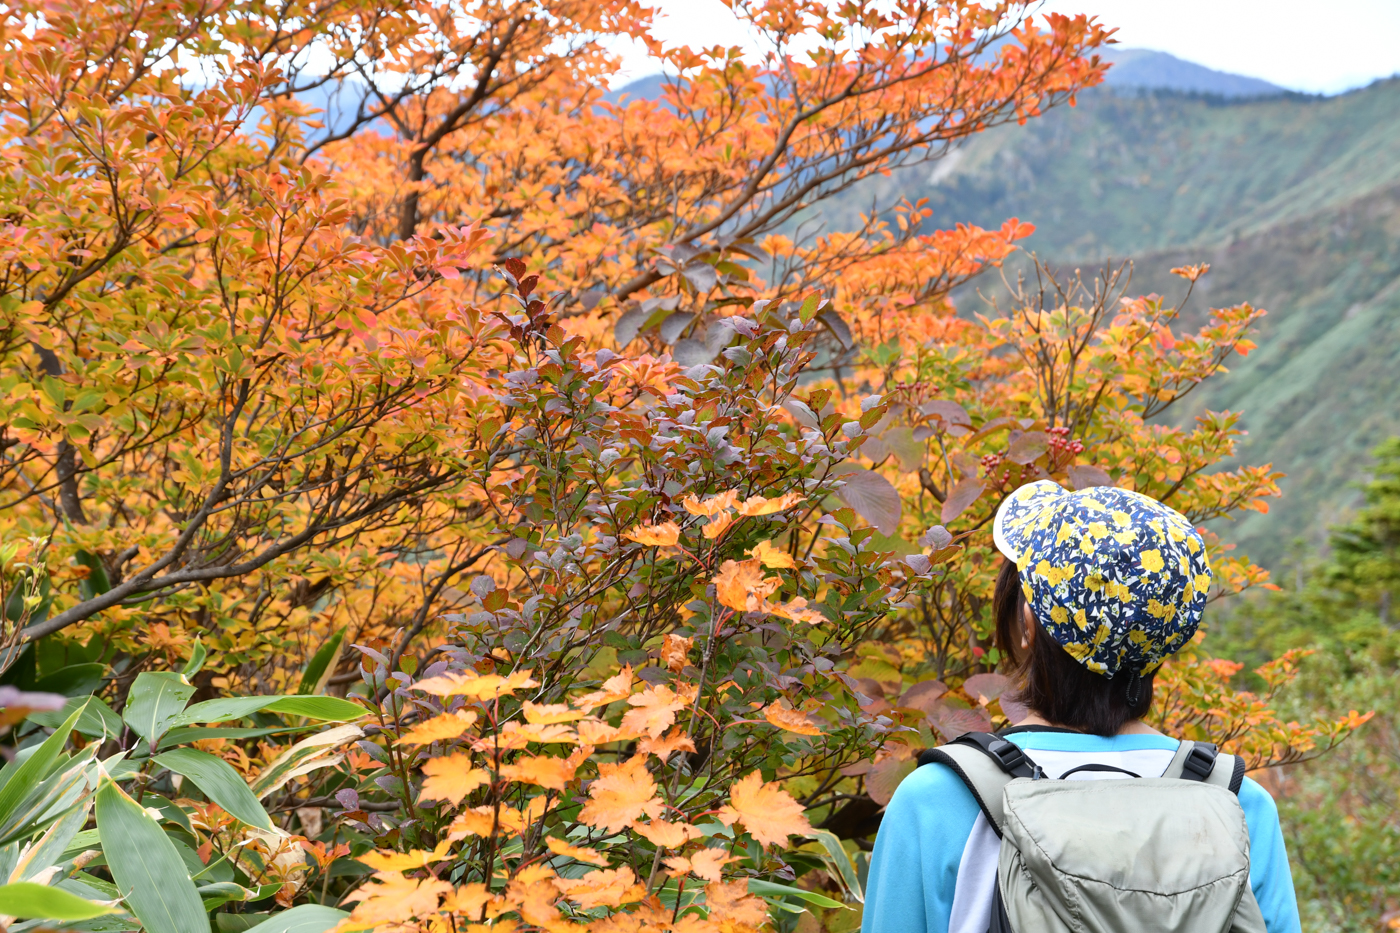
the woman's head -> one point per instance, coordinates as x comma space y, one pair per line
1054, 685
1102, 585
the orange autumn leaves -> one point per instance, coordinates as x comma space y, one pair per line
739, 585
626, 792
722, 511
766, 810
542, 898
622, 795
519, 762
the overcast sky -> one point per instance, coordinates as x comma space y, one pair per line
1318, 46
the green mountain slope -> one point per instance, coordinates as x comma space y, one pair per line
1295, 202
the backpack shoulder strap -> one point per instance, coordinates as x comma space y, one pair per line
1202, 761
986, 763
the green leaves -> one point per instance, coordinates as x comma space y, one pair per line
96, 583
96, 719
220, 783
154, 702
310, 754
29, 901
308, 918
219, 893
321, 661
196, 660
147, 867
327, 709
837, 859
22, 782
39, 855
770, 890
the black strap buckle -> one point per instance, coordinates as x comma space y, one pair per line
1007, 754
1200, 762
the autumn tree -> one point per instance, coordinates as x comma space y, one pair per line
229, 365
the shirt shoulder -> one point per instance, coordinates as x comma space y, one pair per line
1257, 803
932, 790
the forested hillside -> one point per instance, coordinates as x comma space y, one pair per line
1295, 203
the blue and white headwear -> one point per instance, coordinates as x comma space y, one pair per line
1118, 579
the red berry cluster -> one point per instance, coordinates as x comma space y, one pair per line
1060, 441
991, 463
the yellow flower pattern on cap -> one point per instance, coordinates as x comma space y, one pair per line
1118, 579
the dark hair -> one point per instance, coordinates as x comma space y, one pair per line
1052, 683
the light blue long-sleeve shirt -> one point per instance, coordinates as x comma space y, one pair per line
933, 830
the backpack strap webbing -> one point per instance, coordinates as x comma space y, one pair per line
986, 763
1202, 761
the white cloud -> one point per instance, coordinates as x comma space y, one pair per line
1299, 44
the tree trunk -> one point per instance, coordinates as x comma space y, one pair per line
408, 210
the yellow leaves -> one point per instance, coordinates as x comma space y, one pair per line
549, 713
560, 847
405, 861
757, 505
667, 835
797, 610
767, 811
392, 898
616, 687
603, 888
674, 741
439, 728
753, 506
731, 905
478, 821
705, 864
1193, 272
718, 525
741, 586
481, 821
474, 685
451, 778
772, 558
717, 509
594, 732
711, 506
790, 720
655, 709
621, 795
517, 735
674, 652
545, 770
468, 900
532, 893
665, 534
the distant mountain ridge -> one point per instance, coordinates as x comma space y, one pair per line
1151, 70
1133, 69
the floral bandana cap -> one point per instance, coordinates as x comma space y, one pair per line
1118, 579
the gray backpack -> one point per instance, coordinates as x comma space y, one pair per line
1136, 855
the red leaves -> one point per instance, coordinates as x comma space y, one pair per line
961, 498
1084, 476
